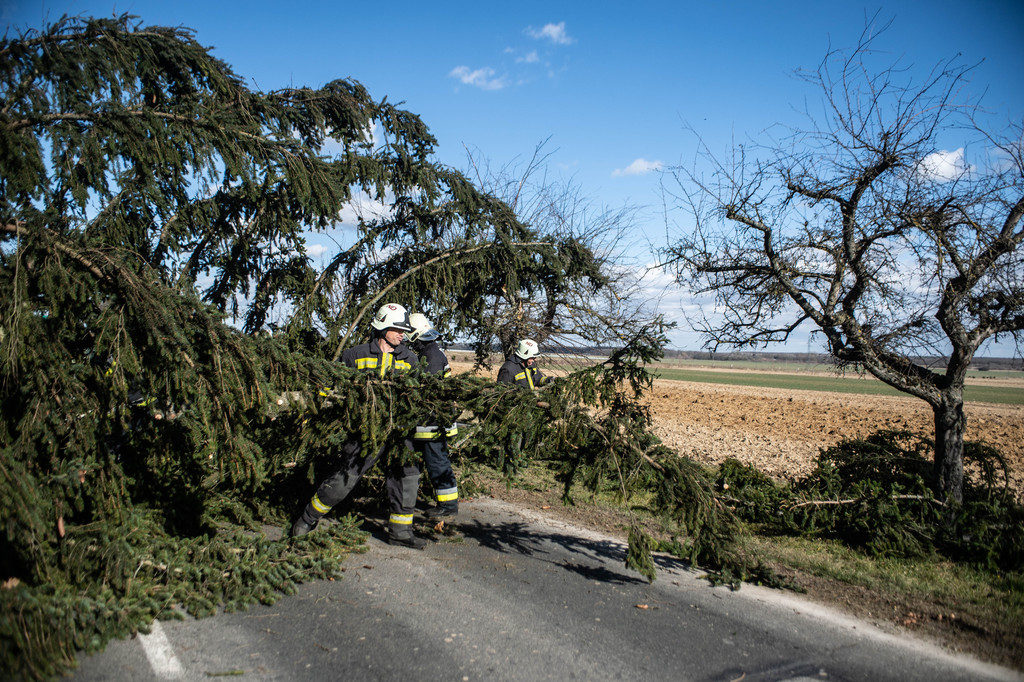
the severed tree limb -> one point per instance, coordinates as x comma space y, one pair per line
16, 229
823, 503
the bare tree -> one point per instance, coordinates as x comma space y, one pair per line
581, 314
861, 226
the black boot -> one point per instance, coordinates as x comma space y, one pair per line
407, 541
307, 522
442, 511
302, 527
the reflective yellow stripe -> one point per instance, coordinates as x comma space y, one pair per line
319, 506
434, 432
401, 519
366, 363
528, 375
447, 495
386, 362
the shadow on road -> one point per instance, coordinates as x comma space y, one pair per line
591, 557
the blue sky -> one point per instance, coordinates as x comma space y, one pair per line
610, 86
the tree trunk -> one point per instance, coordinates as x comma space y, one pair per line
949, 448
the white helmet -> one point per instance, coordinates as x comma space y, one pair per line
392, 316
527, 349
422, 329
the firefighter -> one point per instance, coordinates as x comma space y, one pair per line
382, 355
520, 368
431, 439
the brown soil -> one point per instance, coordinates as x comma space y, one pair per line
781, 432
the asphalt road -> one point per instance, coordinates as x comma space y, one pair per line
521, 597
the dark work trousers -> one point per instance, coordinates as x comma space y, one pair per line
402, 485
439, 470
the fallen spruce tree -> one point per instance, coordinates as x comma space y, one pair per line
148, 196
114, 518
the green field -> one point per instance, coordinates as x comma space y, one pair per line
789, 366
836, 384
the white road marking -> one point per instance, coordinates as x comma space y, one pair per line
160, 654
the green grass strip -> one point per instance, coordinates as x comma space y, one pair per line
857, 385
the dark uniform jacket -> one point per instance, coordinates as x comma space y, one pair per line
437, 363
369, 357
515, 372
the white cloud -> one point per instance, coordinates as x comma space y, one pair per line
531, 58
639, 167
943, 165
316, 250
364, 207
481, 78
553, 32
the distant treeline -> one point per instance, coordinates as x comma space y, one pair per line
979, 364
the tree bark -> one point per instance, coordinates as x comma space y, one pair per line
949, 448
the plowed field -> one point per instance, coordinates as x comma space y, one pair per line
781, 431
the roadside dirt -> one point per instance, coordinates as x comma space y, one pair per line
781, 432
